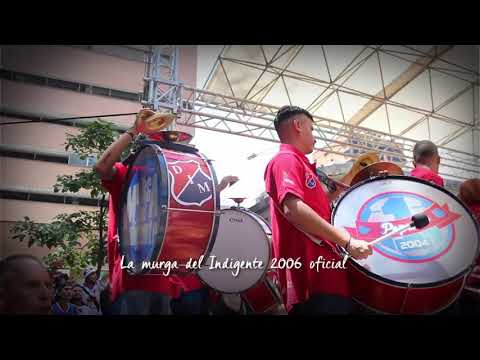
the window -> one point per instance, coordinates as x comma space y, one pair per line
125, 95
51, 158
5, 74
97, 90
85, 88
50, 198
13, 195
47, 198
88, 202
69, 85
62, 84
74, 160
32, 79
17, 154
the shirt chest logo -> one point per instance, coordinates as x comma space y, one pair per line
310, 181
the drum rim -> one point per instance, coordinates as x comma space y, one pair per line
398, 283
272, 288
216, 206
164, 202
269, 247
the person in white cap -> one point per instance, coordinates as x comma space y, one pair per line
91, 290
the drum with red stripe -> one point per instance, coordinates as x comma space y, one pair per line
418, 271
169, 208
264, 297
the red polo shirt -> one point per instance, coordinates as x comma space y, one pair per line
426, 173
475, 209
120, 280
290, 172
188, 282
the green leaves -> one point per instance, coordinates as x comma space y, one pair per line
93, 139
86, 179
65, 233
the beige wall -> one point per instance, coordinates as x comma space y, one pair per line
58, 102
34, 174
9, 246
73, 64
39, 135
15, 210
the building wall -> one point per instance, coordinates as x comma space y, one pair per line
68, 63
97, 67
18, 173
12, 211
45, 136
66, 103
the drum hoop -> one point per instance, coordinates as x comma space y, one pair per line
250, 305
258, 217
172, 146
269, 248
428, 313
399, 284
164, 201
216, 206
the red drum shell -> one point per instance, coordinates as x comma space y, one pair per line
403, 280
169, 208
264, 296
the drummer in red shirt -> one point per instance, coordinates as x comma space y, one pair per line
426, 162
469, 193
298, 201
144, 294
139, 294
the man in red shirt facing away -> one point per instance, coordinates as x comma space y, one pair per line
469, 193
298, 201
138, 294
426, 162
144, 294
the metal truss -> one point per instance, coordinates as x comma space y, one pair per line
235, 116
242, 116
421, 61
161, 77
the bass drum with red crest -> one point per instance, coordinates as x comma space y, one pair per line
169, 210
418, 271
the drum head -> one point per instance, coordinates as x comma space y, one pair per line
241, 236
141, 222
440, 252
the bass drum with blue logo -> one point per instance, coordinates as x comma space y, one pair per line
418, 271
169, 209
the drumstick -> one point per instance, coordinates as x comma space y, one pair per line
327, 180
419, 221
340, 183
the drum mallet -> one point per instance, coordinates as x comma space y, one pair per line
418, 221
